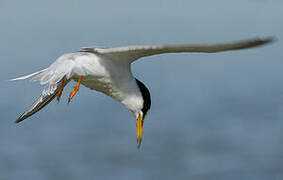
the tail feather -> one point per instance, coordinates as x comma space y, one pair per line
63, 67
46, 76
41, 102
47, 95
28, 76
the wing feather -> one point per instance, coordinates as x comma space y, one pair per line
64, 67
135, 52
48, 94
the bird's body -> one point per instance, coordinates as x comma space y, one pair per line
111, 78
108, 70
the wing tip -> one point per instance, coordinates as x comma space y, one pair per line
41, 102
270, 39
21, 118
256, 42
264, 41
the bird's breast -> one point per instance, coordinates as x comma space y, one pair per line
105, 85
101, 84
113, 78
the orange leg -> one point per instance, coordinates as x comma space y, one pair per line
75, 90
60, 90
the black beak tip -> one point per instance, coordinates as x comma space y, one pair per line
139, 143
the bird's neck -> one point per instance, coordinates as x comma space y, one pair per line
133, 101
129, 94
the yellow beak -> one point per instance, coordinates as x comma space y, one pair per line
139, 130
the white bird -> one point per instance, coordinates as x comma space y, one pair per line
108, 70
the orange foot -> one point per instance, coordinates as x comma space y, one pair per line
75, 90
60, 90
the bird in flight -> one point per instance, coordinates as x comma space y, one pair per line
108, 70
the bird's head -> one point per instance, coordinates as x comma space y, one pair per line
142, 112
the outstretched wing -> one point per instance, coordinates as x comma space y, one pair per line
133, 53
42, 101
64, 67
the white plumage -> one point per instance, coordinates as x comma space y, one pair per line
108, 70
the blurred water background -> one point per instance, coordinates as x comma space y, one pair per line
213, 116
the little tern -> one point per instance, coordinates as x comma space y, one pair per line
108, 70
